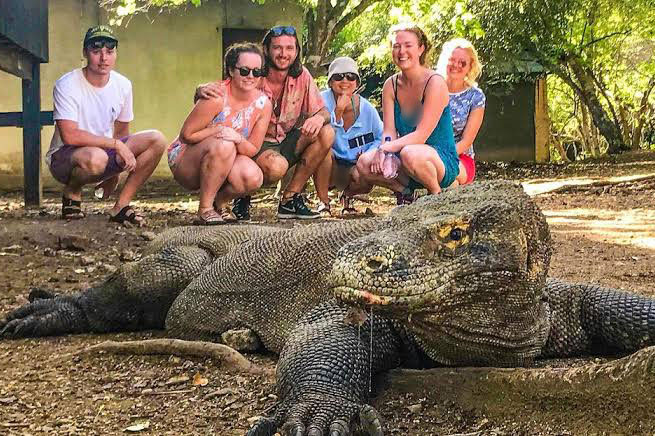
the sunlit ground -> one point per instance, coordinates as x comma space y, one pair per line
536, 187
627, 227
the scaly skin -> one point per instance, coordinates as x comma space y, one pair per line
455, 279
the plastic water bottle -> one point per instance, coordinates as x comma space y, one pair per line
99, 192
390, 164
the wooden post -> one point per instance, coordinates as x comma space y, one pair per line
32, 182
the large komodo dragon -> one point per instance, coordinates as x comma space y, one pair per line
454, 279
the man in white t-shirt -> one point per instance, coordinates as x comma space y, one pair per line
92, 142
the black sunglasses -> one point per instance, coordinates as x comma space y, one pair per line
283, 30
338, 77
100, 43
245, 71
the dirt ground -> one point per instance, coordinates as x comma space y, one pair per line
602, 234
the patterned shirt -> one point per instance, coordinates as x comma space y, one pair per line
461, 105
301, 99
242, 121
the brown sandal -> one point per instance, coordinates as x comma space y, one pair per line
209, 217
226, 214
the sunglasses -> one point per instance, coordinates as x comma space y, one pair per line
458, 63
100, 43
245, 71
283, 30
338, 77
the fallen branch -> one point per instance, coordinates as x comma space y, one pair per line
229, 357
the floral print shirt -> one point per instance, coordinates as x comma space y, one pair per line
461, 105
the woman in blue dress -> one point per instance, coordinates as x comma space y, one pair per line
417, 124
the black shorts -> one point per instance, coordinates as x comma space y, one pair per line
287, 148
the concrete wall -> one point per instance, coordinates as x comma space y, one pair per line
164, 55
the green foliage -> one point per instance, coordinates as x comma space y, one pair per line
611, 41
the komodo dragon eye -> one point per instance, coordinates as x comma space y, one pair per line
456, 234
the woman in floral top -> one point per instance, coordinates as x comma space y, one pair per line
218, 139
460, 65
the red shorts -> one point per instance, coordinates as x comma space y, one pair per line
469, 165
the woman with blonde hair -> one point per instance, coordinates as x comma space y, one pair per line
417, 124
460, 65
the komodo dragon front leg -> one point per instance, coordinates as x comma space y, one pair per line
139, 295
136, 297
325, 372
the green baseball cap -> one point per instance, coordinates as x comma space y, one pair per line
97, 32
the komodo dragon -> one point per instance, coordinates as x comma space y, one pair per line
454, 279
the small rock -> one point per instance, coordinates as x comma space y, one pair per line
241, 340
415, 408
72, 242
11, 248
49, 252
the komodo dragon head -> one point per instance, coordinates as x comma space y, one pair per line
463, 272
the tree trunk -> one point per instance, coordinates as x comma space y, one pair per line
642, 115
585, 88
588, 135
324, 22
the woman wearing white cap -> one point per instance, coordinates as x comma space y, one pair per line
358, 128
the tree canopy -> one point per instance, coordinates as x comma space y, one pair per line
598, 54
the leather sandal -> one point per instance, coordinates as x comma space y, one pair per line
71, 209
127, 215
226, 214
209, 217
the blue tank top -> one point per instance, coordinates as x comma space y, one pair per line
441, 139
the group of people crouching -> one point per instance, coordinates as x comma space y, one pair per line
269, 117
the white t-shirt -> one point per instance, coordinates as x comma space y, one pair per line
94, 109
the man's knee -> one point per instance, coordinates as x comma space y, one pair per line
273, 167
157, 141
93, 163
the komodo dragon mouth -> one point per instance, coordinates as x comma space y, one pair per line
399, 301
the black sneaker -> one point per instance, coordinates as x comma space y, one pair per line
405, 197
295, 208
241, 208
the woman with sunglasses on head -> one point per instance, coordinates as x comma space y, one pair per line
221, 135
357, 127
461, 67
417, 124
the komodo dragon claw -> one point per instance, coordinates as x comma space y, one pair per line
44, 317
